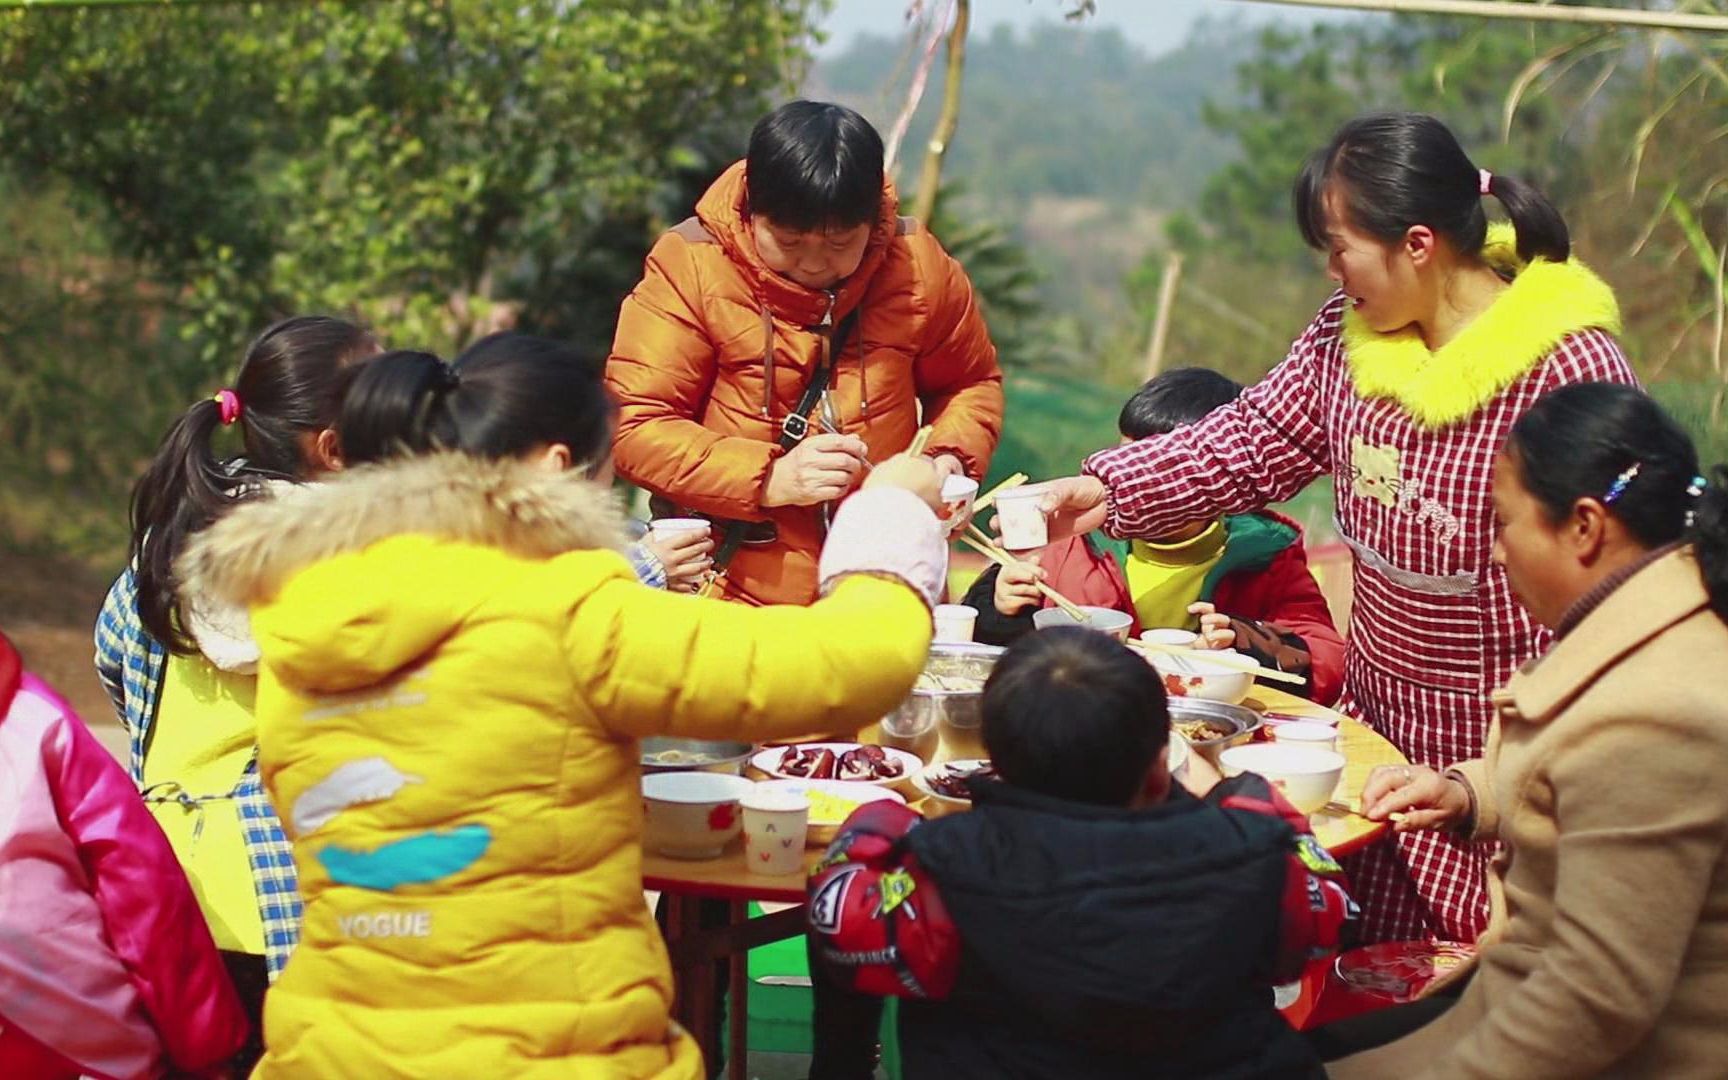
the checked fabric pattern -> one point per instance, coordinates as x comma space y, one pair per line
1434, 626
131, 665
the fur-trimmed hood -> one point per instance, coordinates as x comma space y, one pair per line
352, 580
247, 556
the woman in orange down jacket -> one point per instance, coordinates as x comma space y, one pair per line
796, 253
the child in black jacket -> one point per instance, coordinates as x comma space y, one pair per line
1089, 917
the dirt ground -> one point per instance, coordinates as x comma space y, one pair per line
48, 609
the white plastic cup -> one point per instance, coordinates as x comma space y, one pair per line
955, 622
776, 825
1020, 519
670, 528
958, 494
1303, 733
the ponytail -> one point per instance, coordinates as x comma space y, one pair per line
1392, 171
388, 408
1708, 535
506, 395
181, 492
1542, 232
288, 387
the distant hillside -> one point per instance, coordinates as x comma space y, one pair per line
1069, 134
1061, 110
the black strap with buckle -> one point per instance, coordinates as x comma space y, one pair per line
793, 431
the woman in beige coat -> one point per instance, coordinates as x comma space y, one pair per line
1606, 773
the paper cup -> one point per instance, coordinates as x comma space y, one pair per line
668, 528
955, 622
958, 494
776, 824
1020, 519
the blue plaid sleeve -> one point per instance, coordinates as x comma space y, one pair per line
647, 565
130, 664
121, 603
274, 878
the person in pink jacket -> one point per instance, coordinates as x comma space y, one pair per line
106, 967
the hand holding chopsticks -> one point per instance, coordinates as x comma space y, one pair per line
975, 538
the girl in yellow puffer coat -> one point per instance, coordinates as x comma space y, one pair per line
456, 667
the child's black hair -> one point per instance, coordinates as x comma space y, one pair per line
1174, 399
289, 385
505, 395
1074, 714
813, 165
1575, 442
1392, 171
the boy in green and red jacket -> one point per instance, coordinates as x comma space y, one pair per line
1241, 581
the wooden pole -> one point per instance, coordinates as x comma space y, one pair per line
930, 176
1161, 321
1509, 9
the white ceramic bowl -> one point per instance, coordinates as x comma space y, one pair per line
692, 815
1189, 675
1306, 776
1302, 733
768, 760
1178, 757
1102, 619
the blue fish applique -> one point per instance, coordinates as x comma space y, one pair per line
417, 860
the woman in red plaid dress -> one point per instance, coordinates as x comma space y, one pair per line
1442, 333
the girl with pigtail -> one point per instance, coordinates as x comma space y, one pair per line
1444, 330
181, 668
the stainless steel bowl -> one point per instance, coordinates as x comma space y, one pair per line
957, 714
1242, 721
702, 755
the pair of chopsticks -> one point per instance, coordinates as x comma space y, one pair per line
975, 538
917, 447
1234, 663
1354, 806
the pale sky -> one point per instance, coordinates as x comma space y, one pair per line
1156, 26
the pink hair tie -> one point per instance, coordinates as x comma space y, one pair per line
228, 406
1487, 179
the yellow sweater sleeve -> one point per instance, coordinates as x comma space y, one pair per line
657, 663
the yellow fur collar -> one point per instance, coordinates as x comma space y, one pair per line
1545, 302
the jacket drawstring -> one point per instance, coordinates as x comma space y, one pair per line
767, 363
863, 372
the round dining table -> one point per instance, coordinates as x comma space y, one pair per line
700, 943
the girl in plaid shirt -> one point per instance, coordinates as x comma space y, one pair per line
1443, 332
182, 670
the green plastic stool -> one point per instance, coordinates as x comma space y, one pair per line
779, 1019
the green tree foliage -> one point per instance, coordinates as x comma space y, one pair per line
413, 161
174, 176
1002, 276
1059, 111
